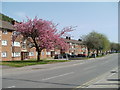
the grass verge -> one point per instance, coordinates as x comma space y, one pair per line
29, 62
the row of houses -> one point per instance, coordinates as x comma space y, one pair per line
19, 50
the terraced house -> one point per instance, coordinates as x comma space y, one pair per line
10, 50
76, 46
6, 30
20, 50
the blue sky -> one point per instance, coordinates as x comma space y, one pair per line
87, 16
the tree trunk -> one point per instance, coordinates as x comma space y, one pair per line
97, 52
88, 52
38, 56
37, 49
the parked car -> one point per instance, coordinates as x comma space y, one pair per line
60, 56
73, 55
81, 55
66, 55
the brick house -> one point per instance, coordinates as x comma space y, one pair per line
76, 46
6, 41
10, 50
19, 50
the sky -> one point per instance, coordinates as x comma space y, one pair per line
101, 17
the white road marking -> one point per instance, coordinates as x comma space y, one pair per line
111, 74
57, 76
11, 87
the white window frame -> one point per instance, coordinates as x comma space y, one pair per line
83, 48
23, 45
17, 44
16, 54
4, 42
5, 32
70, 43
72, 46
48, 53
4, 55
31, 53
56, 52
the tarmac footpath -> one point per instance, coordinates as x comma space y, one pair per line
107, 80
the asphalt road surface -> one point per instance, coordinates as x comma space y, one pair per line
68, 76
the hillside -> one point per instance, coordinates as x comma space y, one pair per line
5, 18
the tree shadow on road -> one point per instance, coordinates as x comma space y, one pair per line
40, 82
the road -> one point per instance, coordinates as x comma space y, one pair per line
68, 76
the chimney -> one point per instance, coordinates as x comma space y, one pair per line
79, 39
69, 38
66, 37
13, 22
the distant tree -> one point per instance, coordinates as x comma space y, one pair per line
90, 41
115, 47
105, 43
96, 41
119, 47
42, 34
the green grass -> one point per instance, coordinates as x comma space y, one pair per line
29, 62
79, 58
101, 55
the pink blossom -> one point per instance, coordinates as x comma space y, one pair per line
43, 33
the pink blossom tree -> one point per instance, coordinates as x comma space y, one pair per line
42, 34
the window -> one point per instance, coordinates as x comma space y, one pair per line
23, 46
31, 45
56, 53
4, 42
70, 43
16, 44
15, 33
83, 48
42, 53
4, 31
16, 54
24, 41
31, 53
4, 54
48, 53
72, 46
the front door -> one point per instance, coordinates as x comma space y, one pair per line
52, 53
24, 55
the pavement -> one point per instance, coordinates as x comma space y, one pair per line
94, 73
108, 80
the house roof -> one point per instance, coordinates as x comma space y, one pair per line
6, 25
73, 41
